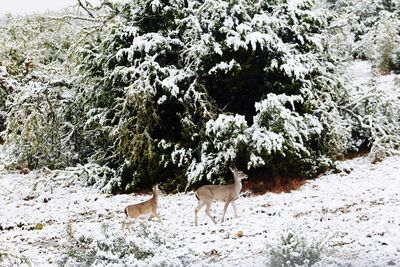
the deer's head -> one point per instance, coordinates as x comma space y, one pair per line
238, 173
156, 190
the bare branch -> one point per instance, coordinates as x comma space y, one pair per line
85, 8
74, 17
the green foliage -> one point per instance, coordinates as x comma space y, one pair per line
6, 88
36, 95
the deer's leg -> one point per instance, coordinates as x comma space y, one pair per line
127, 225
225, 208
196, 210
154, 213
159, 218
208, 207
234, 208
151, 217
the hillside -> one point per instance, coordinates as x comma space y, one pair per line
355, 215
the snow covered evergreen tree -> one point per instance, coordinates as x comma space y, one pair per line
185, 88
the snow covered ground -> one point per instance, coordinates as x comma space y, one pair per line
356, 214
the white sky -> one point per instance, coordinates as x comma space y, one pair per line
24, 7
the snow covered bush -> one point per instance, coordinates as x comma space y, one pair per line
279, 137
226, 139
8, 258
108, 245
7, 87
35, 45
376, 120
36, 98
373, 27
100, 177
372, 32
294, 251
38, 128
281, 134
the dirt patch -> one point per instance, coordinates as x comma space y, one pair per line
362, 152
276, 184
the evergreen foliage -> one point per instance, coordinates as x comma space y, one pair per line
186, 89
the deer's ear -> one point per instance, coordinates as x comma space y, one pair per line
232, 169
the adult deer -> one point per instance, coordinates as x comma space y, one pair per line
148, 207
207, 194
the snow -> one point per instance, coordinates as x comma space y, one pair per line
225, 67
357, 213
361, 71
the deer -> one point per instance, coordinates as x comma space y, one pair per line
144, 208
207, 194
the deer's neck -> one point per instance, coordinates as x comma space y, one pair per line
155, 198
238, 184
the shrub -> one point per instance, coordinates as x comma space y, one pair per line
373, 28
108, 245
35, 95
34, 46
8, 259
294, 251
376, 123
38, 128
100, 177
